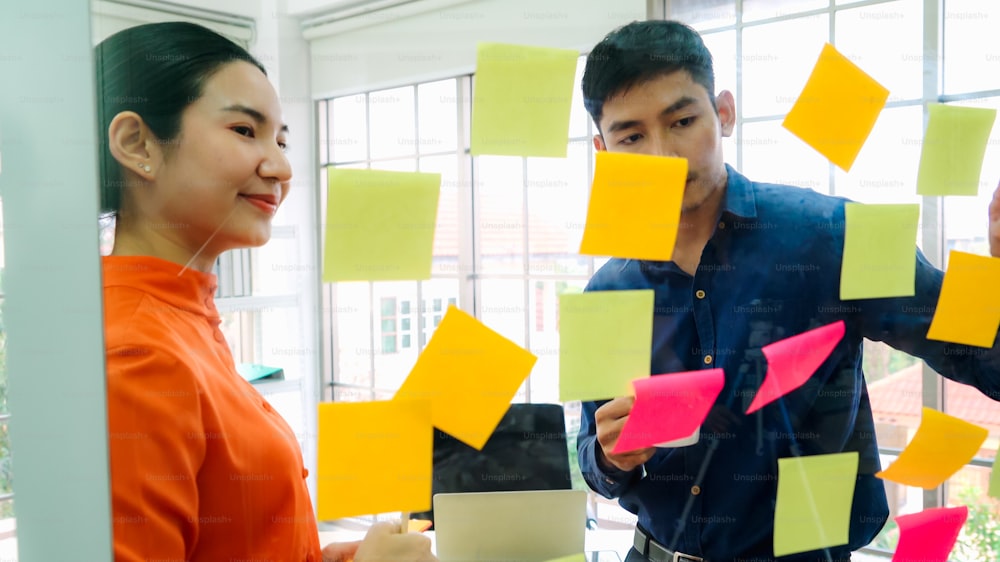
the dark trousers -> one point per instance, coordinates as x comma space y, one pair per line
634, 556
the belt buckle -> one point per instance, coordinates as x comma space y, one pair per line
681, 557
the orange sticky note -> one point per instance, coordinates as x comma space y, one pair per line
418, 525
791, 361
837, 109
968, 309
930, 535
374, 457
635, 206
668, 407
943, 445
470, 374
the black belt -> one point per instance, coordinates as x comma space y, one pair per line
656, 552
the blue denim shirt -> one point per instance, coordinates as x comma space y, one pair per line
771, 270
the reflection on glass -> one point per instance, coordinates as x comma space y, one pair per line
774, 73
897, 64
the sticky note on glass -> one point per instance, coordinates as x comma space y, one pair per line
880, 251
374, 457
379, 225
951, 157
521, 100
605, 342
942, 445
470, 374
837, 109
635, 206
418, 525
968, 308
791, 361
930, 535
813, 508
668, 407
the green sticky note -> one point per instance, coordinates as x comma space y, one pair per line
880, 251
951, 158
379, 225
813, 508
521, 100
995, 480
605, 341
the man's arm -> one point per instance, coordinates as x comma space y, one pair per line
599, 473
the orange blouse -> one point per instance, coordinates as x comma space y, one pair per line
202, 467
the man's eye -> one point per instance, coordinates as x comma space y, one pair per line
686, 122
631, 139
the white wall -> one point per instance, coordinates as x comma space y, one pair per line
442, 43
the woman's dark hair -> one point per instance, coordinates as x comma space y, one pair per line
155, 70
641, 51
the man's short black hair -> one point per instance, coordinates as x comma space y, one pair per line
642, 51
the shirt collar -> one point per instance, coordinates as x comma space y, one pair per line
740, 200
172, 283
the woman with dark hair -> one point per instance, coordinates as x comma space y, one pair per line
193, 165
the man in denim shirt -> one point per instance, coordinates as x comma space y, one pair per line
754, 263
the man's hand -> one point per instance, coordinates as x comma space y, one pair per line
382, 543
610, 418
995, 224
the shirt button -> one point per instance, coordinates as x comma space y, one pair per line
722, 225
267, 407
305, 472
695, 490
700, 294
708, 359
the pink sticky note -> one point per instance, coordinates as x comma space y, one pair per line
791, 361
668, 407
930, 535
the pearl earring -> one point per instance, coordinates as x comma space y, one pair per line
145, 167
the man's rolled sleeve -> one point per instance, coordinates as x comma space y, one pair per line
609, 482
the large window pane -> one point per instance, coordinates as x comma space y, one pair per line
393, 123
543, 320
446, 242
349, 129
558, 192
702, 14
579, 119
772, 154
503, 308
971, 52
886, 168
500, 211
351, 322
438, 116
764, 9
777, 61
897, 64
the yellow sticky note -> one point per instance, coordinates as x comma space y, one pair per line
379, 225
470, 374
943, 445
951, 157
635, 206
571, 558
813, 508
374, 457
968, 308
605, 341
837, 109
880, 251
521, 100
418, 525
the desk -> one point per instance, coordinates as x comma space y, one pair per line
618, 541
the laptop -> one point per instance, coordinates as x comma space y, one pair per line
524, 526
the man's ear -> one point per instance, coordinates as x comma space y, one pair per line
725, 106
132, 144
599, 143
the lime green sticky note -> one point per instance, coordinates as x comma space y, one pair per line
951, 157
605, 341
813, 508
379, 225
995, 480
880, 251
521, 100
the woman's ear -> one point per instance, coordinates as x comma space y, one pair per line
132, 144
